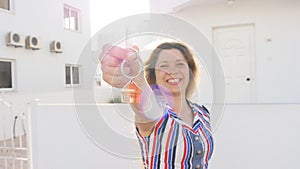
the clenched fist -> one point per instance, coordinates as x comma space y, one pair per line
119, 64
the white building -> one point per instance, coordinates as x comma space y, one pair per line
257, 43
30, 66
270, 60
39, 71
258, 128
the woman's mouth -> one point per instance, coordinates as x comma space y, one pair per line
173, 81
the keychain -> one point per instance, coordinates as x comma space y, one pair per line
131, 92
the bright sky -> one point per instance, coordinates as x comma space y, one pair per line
104, 12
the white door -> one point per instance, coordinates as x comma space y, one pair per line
235, 48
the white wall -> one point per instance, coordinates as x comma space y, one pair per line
260, 136
40, 73
41, 70
60, 143
157, 6
277, 62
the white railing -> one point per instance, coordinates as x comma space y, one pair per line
13, 137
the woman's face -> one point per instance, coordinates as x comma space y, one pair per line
172, 72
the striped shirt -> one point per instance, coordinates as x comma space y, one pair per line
174, 144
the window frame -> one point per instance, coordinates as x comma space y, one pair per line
10, 6
71, 75
70, 10
13, 74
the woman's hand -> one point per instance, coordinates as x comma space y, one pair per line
147, 111
111, 59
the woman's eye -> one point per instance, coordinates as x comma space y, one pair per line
163, 66
180, 64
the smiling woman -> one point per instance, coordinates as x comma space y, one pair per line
182, 59
172, 132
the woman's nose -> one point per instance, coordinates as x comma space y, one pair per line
172, 70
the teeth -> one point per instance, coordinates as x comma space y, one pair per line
174, 80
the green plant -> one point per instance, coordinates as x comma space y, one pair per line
115, 99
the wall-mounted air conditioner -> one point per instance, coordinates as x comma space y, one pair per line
14, 39
56, 46
32, 43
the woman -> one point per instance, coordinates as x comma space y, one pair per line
173, 132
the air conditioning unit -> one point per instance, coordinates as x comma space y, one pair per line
32, 43
56, 46
15, 39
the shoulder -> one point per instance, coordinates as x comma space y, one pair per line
203, 114
200, 109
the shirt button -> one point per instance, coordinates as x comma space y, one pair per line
196, 138
197, 166
198, 152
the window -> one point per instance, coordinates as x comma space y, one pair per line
5, 4
71, 18
6, 74
72, 74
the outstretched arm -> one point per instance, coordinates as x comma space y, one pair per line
147, 111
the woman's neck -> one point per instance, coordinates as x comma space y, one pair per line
178, 103
182, 108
